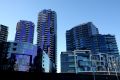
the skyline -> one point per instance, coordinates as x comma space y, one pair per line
103, 14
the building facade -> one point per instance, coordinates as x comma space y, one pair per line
79, 36
3, 33
18, 56
24, 31
86, 36
42, 62
75, 61
47, 33
22, 48
4, 46
79, 61
104, 44
45, 62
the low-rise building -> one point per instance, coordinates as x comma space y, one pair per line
18, 55
78, 61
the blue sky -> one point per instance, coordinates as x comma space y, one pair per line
105, 14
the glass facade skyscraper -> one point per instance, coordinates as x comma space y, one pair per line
86, 37
24, 31
3, 33
47, 33
79, 36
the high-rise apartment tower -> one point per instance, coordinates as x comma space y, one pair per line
25, 31
47, 33
3, 33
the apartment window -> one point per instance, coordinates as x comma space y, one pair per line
101, 58
15, 44
72, 65
14, 49
102, 63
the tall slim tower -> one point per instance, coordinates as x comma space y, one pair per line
47, 33
3, 33
24, 31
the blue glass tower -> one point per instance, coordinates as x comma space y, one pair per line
47, 33
24, 31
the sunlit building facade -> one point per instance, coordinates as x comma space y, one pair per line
42, 62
